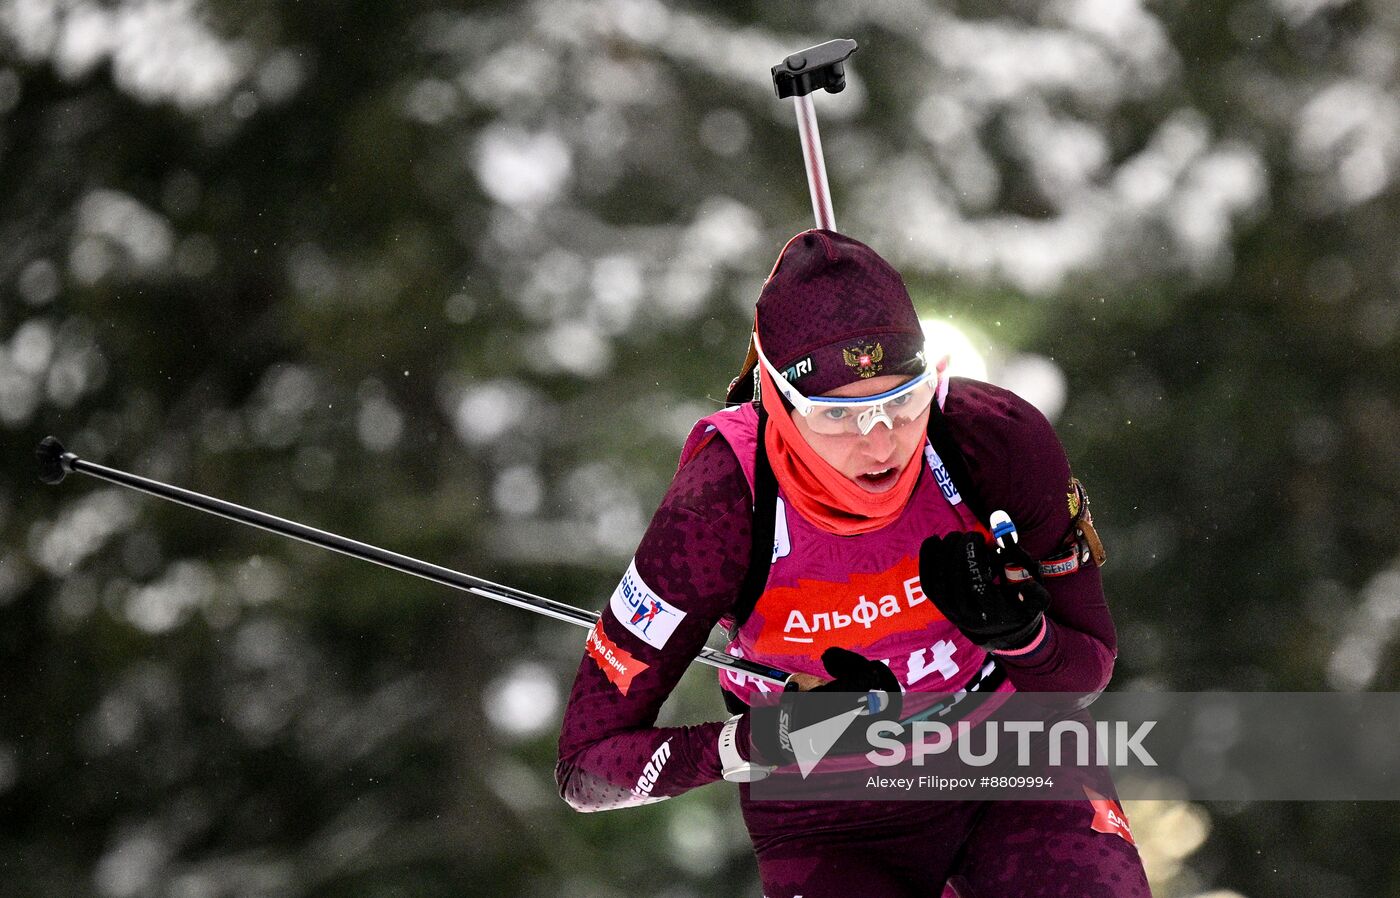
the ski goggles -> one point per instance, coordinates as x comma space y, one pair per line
838, 416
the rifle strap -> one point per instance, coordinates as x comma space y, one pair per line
765, 514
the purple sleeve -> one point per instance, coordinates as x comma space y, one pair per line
1017, 464
692, 557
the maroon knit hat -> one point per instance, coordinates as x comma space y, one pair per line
833, 312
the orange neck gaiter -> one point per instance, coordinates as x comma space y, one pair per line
824, 496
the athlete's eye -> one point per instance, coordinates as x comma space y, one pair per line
835, 414
901, 401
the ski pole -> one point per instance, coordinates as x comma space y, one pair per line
55, 463
817, 68
822, 67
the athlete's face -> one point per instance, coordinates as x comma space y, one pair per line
876, 460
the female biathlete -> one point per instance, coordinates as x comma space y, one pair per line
862, 506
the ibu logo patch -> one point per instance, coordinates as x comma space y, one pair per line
782, 543
941, 477
650, 618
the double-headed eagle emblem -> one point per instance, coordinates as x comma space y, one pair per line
865, 359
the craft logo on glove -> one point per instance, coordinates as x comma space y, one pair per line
648, 616
976, 576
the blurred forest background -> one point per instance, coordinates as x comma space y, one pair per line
455, 279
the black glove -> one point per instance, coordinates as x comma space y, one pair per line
966, 578
855, 681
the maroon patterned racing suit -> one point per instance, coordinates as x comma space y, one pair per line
694, 556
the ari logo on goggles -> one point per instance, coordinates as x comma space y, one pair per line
832, 416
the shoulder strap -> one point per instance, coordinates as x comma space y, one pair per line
765, 507
940, 435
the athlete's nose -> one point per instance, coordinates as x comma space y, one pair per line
879, 443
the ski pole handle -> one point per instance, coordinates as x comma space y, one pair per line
1016, 564
817, 68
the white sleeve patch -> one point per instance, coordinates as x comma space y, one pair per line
650, 618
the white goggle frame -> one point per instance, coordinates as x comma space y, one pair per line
869, 410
